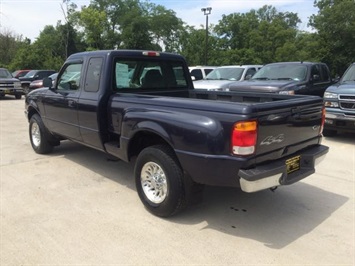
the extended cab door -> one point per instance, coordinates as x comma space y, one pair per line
319, 80
61, 102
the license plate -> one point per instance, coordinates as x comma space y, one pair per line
7, 91
293, 164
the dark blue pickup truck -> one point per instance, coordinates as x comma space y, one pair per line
140, 105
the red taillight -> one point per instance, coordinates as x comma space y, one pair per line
323, 121
146, 53
244, 137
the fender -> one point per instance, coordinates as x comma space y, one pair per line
182, 131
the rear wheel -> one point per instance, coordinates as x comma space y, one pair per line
18, 96
160, 181
38, 136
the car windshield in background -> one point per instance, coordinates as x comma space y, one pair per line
30, 74
350, 74
281, 72
5, 74
225, 73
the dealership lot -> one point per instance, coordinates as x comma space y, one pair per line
76, 206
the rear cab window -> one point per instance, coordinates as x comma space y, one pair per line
149, 74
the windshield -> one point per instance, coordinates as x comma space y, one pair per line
30, 74
349, 74
281, 72
226, 73
5, 74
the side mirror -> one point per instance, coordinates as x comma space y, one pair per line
193, 78
248, 77
47, 82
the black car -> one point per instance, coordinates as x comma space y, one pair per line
34, 75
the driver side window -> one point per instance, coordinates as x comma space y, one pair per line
70, 78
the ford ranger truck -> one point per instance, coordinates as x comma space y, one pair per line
141, 106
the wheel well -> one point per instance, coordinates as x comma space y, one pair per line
31, 112
143, 140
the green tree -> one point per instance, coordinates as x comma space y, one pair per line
9, 45
262, 34
335, 25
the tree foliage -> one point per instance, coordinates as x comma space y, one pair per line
335, 25
256, 37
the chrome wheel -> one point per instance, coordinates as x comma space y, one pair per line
36, 135
154, 182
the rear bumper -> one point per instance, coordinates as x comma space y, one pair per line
274, 174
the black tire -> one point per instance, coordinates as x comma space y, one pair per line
166, 194
39, 136
329, 132
18, 96
26, 89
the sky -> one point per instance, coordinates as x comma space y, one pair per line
28, 17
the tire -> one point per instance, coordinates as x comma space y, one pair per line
329, 132
39, 136
26, 89
160, 181
18, 96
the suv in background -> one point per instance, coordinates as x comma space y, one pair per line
200, 72
9, 85
34, 75
339, 102
221, 77
310, 78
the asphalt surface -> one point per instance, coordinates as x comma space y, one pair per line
76, 207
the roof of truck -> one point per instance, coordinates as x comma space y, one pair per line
126, 52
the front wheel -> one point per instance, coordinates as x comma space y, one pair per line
160, 181
38, 136
26, 89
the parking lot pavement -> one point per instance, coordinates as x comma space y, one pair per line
75, 206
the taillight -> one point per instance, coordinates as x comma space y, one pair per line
244, 137
323, 121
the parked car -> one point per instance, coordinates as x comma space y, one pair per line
36, 84
34, 75
339, 101
221, 77
20, 73
308, 78
200, 72
9, 85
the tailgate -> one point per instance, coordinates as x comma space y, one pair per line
286, 130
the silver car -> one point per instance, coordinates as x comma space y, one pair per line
221, 77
